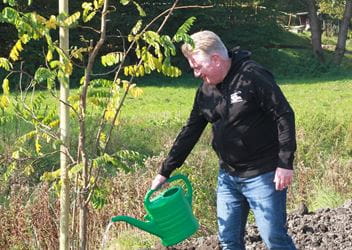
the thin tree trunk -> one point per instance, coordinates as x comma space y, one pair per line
315, 30
83, 223
83, 205
342, 37
64, 136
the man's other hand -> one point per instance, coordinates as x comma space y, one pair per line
158, 181
283, 178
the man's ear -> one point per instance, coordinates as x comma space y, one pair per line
216, 59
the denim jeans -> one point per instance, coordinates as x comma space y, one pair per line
236, 195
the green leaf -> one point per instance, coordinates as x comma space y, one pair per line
99, 198
125, 2
181, 34
104, 83
51, 176
10, 15
87, 7
71, 20
24, 138
44, 74
112, 58
140, 9
168, 45
10, 2
75, 170
87, 18
137, 27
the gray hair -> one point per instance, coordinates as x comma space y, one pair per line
206, 42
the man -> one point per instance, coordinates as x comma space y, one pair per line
253, 136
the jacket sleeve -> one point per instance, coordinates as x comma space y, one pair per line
272, 100
185, 140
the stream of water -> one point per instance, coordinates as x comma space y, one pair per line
106, 236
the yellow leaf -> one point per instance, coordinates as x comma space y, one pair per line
136, 92
102, 137
6, 86
4, 102
125, 84
4, 63
25, 39
109, 114
37, 146
51, 23
68, 68
14, 53
54, 124
40, 18
125, 70
72, 19
82, 80
28, 170
49, 56
141, 70
16, 155
54, 64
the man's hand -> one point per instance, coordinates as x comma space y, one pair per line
283, 178
158, 181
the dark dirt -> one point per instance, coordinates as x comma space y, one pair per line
325, 229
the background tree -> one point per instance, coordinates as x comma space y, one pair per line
315, 28
343, 32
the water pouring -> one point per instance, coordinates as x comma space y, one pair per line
169, 215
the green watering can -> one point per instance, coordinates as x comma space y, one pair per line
169, 215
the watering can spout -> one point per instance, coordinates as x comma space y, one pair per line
146, 226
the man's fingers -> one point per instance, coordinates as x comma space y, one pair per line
283, 178
158, 181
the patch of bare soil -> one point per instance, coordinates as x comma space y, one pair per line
324, 229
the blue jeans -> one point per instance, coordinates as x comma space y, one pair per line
236, 195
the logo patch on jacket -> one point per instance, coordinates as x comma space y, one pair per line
235, 97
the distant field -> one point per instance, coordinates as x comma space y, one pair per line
333, 97
168, 103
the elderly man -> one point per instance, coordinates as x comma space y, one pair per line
253, 136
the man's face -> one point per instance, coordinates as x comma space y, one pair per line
205, 67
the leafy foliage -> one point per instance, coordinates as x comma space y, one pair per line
112, 58
182, 32
4, 63
41, 140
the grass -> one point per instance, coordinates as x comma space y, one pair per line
133, 239
321, 96
149, 124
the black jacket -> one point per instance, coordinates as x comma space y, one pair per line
253, 124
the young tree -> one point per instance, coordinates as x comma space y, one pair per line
86, 162
64, 136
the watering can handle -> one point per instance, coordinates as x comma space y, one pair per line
171, 179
